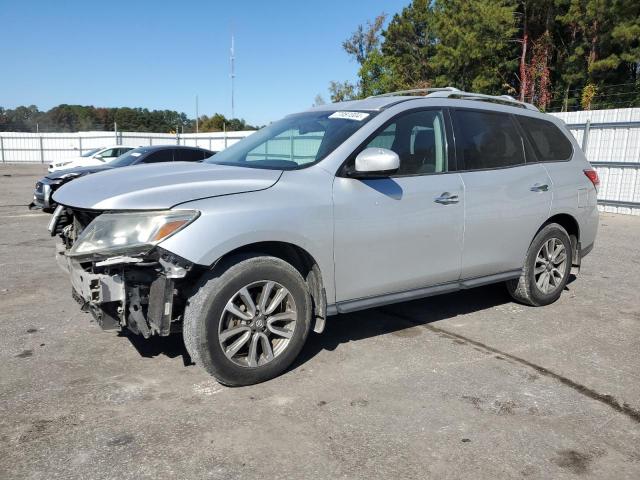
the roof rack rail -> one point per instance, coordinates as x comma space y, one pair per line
454, 93
499, 99
416, 92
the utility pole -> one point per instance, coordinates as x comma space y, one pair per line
232, 58
196, 113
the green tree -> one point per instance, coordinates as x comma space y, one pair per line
475, 49
409, 43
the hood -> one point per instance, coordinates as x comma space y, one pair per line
77, 171
161, 186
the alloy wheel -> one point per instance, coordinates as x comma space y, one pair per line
257, 323
550, 266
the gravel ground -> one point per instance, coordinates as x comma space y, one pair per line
466, 385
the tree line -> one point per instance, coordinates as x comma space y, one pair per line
74, 118
556, 54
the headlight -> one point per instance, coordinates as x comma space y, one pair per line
127, 232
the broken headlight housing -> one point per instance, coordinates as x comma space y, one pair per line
130, 232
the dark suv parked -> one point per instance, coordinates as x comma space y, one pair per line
154, 154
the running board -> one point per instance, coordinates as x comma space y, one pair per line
389, 298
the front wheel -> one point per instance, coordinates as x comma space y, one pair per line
546, 269
248, 320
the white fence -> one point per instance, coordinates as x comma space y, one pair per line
19, 147
610, 138
611, 141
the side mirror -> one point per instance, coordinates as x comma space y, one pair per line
376, 162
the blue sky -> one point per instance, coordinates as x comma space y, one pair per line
159, 55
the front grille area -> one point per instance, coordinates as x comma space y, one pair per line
84, 217
72, 222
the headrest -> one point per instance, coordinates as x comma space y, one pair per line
424, 140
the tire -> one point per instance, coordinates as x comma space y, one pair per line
209, 319
527, 289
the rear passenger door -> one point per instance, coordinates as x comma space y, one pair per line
506, 199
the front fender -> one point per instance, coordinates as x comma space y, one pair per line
297, 210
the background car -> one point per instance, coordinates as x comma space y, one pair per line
154, 154
95, 156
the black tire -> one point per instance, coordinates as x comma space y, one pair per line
524, 289
203, 315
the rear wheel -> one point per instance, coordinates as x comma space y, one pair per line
248, 320
546, 269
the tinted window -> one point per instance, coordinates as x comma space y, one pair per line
487, 140
159, 156
419, 140
548, 142
189, 155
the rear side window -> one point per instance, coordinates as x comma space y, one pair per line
159, 156
189, 155
487, 140
548, 142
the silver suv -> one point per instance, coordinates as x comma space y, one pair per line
343, 207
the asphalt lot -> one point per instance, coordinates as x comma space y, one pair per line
466, 385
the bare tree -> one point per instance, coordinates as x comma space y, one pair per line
365, 39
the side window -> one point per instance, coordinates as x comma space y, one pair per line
548, 142
419, 140
487, 140
159, 156
186, 155
109, 153
122, 151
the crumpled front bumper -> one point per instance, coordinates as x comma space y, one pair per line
125, 292
94, 288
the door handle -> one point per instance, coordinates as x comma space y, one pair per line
539, 187
446, 198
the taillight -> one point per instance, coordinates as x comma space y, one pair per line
593, 176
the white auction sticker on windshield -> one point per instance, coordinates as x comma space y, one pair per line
357, 116
136, 154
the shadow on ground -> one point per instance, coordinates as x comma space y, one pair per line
382, 321
359, 325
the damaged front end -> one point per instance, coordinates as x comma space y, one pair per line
117, 270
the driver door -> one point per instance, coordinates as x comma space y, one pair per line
395, 235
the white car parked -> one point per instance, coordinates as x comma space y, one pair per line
90, 158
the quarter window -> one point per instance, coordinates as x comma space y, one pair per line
419, 140
487, 140
549, 143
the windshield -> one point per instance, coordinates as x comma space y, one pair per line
88, 153
128, 158
296, 141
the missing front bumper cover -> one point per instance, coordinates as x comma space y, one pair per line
130, 292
